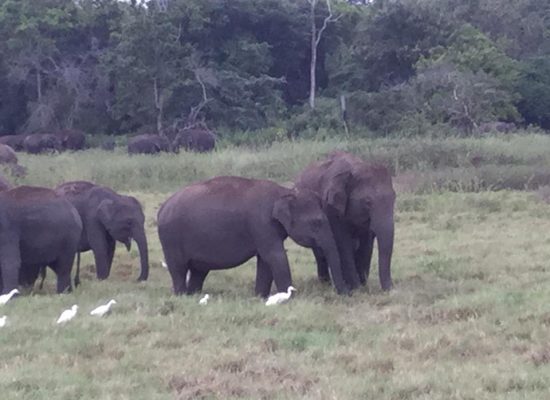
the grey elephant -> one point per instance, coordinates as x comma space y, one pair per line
8, 157
38, 229
359, 200
14, 141
42, 143
107, 217
72, 139
148, 144
195, 139
222, 222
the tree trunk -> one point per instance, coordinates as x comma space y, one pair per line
313, 63
159, 105
38, 85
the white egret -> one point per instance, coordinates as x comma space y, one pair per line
6, 297
102, 310
280, 297
3, 321
204, 300
67, 315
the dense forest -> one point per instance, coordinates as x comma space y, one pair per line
280, 67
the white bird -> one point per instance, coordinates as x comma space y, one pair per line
280, 297
3, 321
164, 265
67, 315
6, 297
204, 300
102, 310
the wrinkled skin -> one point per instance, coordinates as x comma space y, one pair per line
42, 143
148, 144
222, 222
72, 139
359, 200
37, 229
14, 141
107, 217
195, 139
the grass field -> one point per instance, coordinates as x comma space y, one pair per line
469, 317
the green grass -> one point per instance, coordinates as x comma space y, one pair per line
468, 319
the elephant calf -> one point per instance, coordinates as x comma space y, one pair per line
107, 217
37, 229
222, 222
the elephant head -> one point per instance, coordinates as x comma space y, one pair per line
301, 214
124, 220
363, 195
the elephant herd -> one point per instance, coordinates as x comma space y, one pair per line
337, 208
195, 139
36, 143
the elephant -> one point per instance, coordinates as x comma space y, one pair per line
359, 200
8, 157
42, 143
72, 139
4, 183
148, 144
496, 126
14, 141
222, 222
107, 217
38, 228
194, 139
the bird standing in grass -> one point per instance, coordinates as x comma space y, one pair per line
102, 310
6, 297
67, 315
204, 300
3, 321
280, 297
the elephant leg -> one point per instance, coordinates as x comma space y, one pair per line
264, 278
346, 248
322, 265
363, 256
10, 264
275, 256
77, 275
196, 280
102, 245
42, 277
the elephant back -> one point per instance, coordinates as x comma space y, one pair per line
14, 141
74, 188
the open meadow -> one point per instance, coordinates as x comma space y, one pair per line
469, 317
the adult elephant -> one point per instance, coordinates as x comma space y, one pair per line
194, 139
8, 157
42, 143
148, 144
107, 217
359, 199
72, 139
38, 228
222, 222
14, 141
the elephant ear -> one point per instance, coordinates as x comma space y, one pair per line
106, 211
335, 193
281, 210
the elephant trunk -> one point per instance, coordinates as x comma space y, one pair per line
384, 236
141, 240
330, 251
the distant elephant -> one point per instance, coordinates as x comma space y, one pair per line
8, 157
496, 126
199, 140
359, 199
148, 144
107, 217
14, 141
37, 229
72, 139
4, 183
222, 222
42, 143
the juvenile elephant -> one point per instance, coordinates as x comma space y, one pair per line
222, 222
42, 143
359, 199
14, 141
37, 229
199, 140
107, 217
72, 139
148, 144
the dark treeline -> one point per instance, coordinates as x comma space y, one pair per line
411, 66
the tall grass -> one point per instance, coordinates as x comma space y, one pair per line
519, 161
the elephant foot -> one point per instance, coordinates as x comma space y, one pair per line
387, 286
